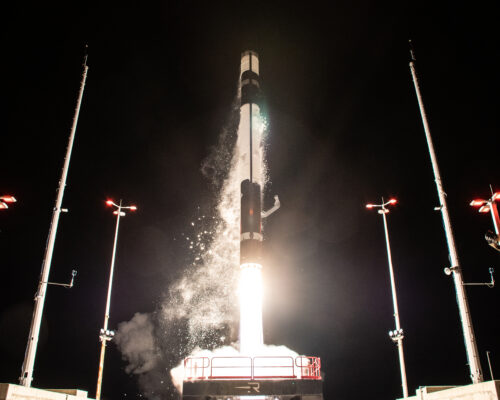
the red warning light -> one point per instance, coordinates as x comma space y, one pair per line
109, 202
8, 199
484, 209
133, 208
477, 202
393, 201
369, 205
496, 196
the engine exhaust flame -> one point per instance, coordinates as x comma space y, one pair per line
250, 295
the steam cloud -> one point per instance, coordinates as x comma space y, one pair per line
200, 309
136, 342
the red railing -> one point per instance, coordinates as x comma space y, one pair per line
310, 367
262, 367
231, 368
195, 366
279, 367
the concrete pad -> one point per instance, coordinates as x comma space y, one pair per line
479, 391
9, 391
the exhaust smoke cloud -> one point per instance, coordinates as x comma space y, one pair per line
199, 314
200, 309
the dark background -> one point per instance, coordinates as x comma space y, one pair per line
345, 130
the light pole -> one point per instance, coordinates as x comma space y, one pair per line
397, 334
105, 334
5, 200
490, 205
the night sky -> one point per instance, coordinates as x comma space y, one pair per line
345, 129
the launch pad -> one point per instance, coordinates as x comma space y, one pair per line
252, 378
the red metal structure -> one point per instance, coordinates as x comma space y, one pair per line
251, 368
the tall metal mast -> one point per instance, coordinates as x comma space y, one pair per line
31, 347
463, 306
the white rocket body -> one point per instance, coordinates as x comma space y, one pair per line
251, 175
247, 111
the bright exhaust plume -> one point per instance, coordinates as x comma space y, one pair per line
250, 295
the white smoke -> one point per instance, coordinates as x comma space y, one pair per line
199, 313
136, 342
206, 293
177, 373
200, 308
205, 296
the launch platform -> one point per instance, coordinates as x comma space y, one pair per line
252, 378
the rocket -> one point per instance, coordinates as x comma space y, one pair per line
250, 153
251, 161
251, 174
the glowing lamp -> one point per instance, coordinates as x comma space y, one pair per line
370, 205
496, 196
3, 206
109, 202
477, 202
484, 209
133, 208
393, 201
8, 199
